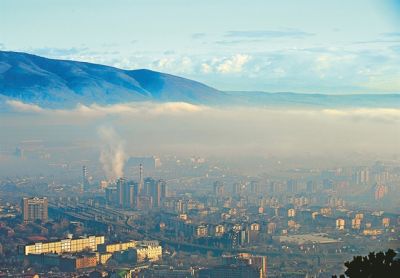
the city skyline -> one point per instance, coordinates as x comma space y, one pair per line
199, 139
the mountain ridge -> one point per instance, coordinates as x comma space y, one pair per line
35, 79
65, 83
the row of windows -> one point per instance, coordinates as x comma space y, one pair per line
64, 246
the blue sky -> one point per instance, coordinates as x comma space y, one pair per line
308, 46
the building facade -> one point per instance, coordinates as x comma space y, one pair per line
34, 209
63, 246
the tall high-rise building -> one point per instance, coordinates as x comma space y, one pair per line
34, 209
141, 182
85, 181
311, 186
361, 176
111, 195
19, 153
122, 191
255, 187
380, 191
133, 194
291, 186
145, 194
328, 184
237, 188
164, 190
156, 189
218, 188
127, 193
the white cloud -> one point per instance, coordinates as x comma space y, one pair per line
177, 107
367, 114
233, 64
344, 68
384, 80
225, 65
325, 64
164, 63
206, 68
183, 108
175, 65
98, 111
24, 107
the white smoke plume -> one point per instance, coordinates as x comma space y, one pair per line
112, 155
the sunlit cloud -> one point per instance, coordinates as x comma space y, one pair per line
234, 64
377, 114
96, 111
226, 65
183, 108
24, 107
170, 64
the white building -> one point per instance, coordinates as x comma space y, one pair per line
147, 253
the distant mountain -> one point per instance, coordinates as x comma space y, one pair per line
60, 83
50, 82
314, 100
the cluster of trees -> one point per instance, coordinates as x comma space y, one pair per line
377, 265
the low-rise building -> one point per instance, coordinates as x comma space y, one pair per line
66, 263
147, 253
69, 245
116, 247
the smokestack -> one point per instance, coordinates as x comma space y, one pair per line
140, 177
84, 177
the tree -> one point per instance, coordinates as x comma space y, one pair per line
373, 266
